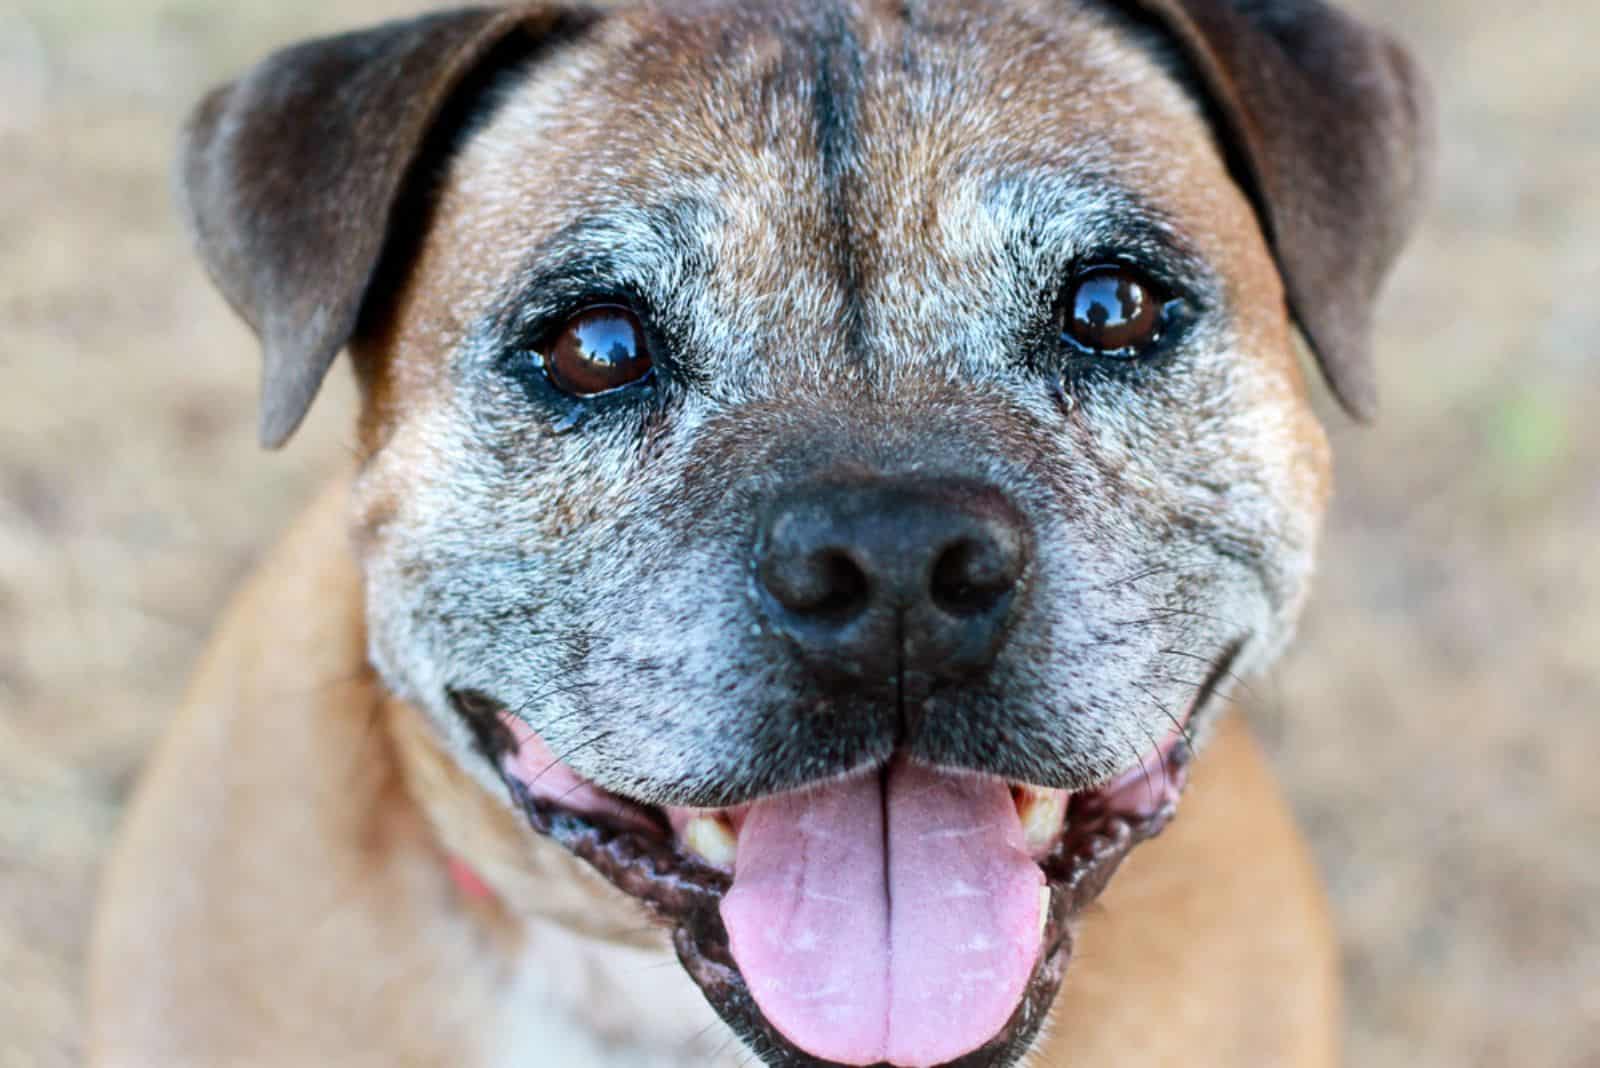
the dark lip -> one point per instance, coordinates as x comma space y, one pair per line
685, 895
1078, 870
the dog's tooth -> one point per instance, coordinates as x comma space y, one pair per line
1042, 814
711, 839
1044, 910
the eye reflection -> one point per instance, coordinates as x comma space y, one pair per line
1112, 311
602, 348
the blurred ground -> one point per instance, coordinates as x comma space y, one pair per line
1437, 725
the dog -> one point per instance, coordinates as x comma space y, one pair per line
821, 468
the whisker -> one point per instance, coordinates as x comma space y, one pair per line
1238, 680
699, 1035
1139, 576
1197, 687
1149, 787
565, 757
1181, 727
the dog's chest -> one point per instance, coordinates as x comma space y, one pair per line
576, 1001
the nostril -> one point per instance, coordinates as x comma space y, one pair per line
827, 585
844, 588
971, 576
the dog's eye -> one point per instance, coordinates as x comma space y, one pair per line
1113, 311
602, 348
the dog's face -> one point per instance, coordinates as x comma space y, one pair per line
845, 258
878, 401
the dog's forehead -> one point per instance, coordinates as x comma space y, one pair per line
825, 155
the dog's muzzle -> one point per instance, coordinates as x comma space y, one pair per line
906, 916
903, 914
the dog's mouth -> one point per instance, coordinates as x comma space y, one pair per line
908, 916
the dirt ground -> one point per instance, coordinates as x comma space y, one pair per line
1437, 724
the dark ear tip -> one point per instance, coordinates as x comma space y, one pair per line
272, 432
293, 365
1343, 350
279, 418
1364, 412
1359, 399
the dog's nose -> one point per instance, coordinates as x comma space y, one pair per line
879, 580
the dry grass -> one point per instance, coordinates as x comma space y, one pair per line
1437, 725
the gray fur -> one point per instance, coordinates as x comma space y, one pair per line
832, 309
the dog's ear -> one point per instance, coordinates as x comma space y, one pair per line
1328, 125
291, 177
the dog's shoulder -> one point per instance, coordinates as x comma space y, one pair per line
274, 798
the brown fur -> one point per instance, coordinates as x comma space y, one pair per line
281, 889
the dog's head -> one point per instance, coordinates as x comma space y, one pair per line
827, 457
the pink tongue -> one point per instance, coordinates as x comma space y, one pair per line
886, 918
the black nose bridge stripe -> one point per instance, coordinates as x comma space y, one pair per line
836, 90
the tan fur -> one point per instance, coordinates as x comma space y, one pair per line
278, 794
281, 893
281, 791
1213, 945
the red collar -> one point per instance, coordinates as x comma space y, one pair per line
468, 881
